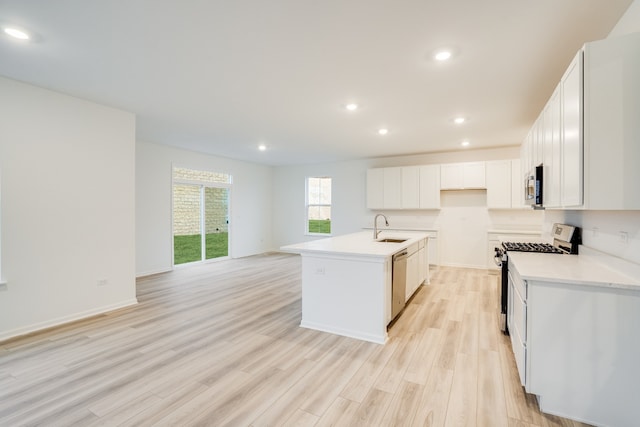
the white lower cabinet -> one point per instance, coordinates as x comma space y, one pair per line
577, 348
417, 268
517, 321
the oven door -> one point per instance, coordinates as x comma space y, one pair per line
501, 261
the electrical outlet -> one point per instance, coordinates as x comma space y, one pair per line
624, 237
102, 282
320, 270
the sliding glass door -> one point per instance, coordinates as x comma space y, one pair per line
200, 217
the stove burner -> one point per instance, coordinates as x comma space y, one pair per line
531, 247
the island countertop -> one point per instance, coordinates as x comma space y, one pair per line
361, 244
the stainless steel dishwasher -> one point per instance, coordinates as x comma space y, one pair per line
398, 282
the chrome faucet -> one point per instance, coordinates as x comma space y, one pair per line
375, 225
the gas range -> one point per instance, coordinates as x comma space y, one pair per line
566, 240
546, 248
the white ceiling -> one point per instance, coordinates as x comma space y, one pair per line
221, 77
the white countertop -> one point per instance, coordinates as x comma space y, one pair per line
590, 268
361, 243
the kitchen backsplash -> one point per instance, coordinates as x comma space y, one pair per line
614, 232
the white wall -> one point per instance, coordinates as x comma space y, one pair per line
601, 230
630, 21
462, 221
251, 206
67, 208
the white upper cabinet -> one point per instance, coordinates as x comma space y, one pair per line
589, 143
552, 150
430, 187
450, 176
460, 176
612, 123
571, 156
498, 179
392, 188
410, 187
517, 185
407, 187
375, 188
505, 185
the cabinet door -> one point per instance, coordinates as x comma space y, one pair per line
451, 176
423, 266
498, 184
517, 185
411, 187
552, 160
392, 188
375, 188
412, 275
571, 83
430, 187
473, 175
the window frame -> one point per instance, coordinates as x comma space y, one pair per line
308, 205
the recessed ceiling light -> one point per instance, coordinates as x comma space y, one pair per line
16, 33
383, 131
351, 107
465, 143
459, 120
262, 147
442, 55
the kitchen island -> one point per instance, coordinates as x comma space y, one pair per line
347, 281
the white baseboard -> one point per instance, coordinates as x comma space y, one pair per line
452, 264
378, 339
5, 335
152, 272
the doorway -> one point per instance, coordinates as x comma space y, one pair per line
200, 216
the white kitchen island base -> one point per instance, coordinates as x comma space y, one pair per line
347, 281
347, 295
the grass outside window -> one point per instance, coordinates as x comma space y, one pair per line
322, 226
188, 248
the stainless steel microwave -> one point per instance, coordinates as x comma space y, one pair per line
533, 188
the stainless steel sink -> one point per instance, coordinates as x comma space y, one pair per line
392, 240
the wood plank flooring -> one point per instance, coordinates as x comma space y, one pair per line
219, 344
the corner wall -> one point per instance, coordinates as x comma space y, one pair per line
67, 208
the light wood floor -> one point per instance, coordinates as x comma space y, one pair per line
219, 344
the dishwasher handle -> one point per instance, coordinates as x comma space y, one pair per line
400, 255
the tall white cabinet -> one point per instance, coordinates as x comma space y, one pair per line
571, 155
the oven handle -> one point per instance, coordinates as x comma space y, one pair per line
499, 257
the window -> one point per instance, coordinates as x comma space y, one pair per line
318, 205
